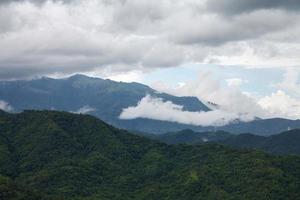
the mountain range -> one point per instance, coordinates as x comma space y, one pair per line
50, 155
284, 143
106, 100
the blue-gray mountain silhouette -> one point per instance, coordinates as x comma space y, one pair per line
107, 99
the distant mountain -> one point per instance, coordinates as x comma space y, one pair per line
106, 99
189, 136
58, 155
284, 143
263, 127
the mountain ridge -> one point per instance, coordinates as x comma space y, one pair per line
106, 99
284, 143
60, 155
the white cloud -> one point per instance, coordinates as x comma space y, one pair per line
279, 104
121, 40
207, 88
235, 82
132, 76
84, 36
290, 82
284, 102
5, 106
85, 109
155, 108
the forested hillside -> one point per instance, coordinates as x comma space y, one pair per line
284, 143
59, 155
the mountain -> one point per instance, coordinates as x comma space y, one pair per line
59, 155
189, 136
106, 99
284, 143
263, 127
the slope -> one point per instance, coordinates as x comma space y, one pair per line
67, 156
284, 143
104, 99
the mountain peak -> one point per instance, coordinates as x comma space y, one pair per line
80, 76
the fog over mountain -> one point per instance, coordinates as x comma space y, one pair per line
132, 106
250, 47
213, 84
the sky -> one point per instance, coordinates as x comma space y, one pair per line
242, 55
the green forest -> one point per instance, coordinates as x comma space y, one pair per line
54, 155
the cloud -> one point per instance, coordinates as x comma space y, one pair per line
283, 102
215, 30
85, 109
5, 106
155, 108
137, 35
280, 104
209, 89
68, 39
33, 1
290, 82
235, 82
233, 7
131, 76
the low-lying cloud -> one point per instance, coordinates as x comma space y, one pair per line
280, 104
207, 88
5, 106
85, 110
283, 101
155, 108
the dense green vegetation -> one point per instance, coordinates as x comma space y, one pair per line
59, 155
284, 143
189, 136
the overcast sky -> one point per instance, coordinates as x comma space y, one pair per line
139, 40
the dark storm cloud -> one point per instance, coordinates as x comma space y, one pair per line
233, 7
